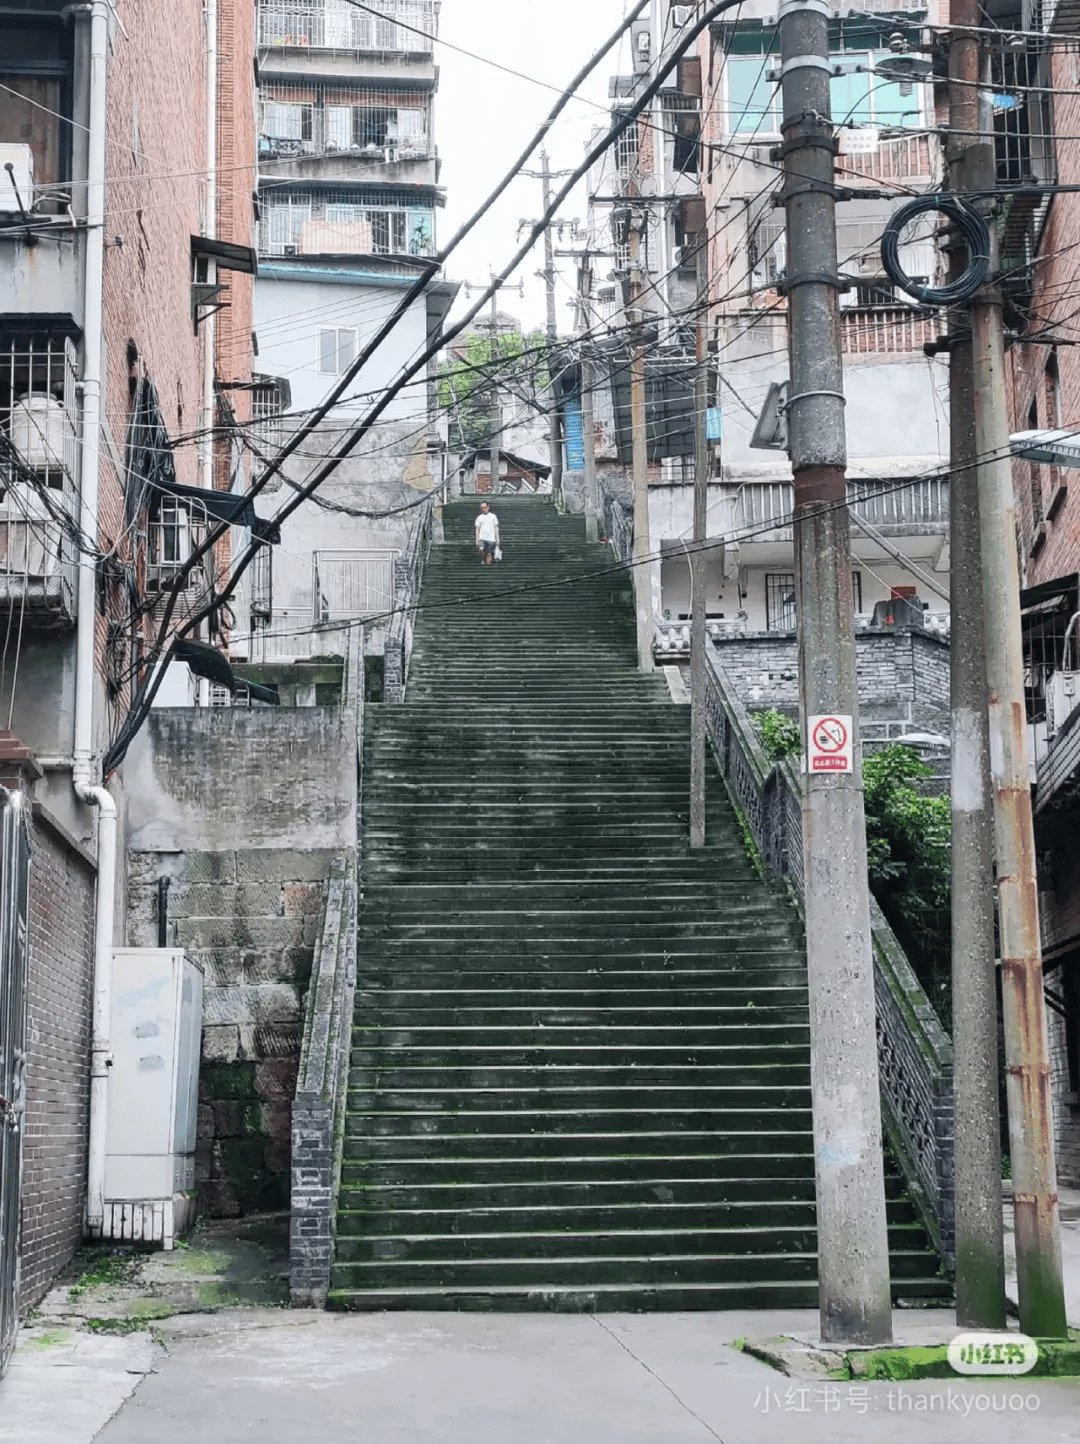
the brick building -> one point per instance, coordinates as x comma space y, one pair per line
1039, 245
128, 207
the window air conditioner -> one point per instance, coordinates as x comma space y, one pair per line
1062, 699
680, 14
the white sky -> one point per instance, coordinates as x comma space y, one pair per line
484, 118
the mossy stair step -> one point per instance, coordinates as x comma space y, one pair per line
579, 1067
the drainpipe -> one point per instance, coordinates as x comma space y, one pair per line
98, 12
210, 230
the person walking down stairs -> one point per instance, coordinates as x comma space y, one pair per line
488, 539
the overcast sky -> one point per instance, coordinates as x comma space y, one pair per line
484, 117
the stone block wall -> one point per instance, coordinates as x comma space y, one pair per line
1066, 1100
251, 919
242, 812
903, 675
60, 967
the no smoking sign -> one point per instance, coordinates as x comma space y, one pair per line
830, 743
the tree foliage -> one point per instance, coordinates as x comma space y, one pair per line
520, 366
908, 837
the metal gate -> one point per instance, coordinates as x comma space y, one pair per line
14, 888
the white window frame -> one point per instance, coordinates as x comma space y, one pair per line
344, 349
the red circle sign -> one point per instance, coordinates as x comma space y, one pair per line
830, 735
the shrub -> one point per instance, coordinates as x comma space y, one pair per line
779, 735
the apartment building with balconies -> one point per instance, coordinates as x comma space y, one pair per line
897, 395
348, 198
125, 343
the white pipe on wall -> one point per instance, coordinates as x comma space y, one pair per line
89, 480
210, 230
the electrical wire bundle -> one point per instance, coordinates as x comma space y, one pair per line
972, 227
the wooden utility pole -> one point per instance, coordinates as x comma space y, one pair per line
1027, 1054
699, 640
980, 1250
853, 1243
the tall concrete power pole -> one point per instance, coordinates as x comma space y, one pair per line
643, 598
698, 635
980, 1253
1027, 1054
853, 1249
555, 416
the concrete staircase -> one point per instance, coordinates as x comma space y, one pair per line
580, 1071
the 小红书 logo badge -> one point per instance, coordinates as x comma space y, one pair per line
984, 1354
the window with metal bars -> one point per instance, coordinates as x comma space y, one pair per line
781, 613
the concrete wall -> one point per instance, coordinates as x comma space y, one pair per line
242, 812
290, 312
60, 968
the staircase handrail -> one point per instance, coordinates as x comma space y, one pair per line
408, 579
915, 1057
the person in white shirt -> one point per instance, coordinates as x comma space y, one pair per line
488, 539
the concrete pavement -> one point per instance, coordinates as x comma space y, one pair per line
276, 1377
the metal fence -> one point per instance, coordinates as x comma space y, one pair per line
351, 584
38, 498
14, 889
400, 25
914, 1052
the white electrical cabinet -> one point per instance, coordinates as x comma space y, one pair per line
155, 1035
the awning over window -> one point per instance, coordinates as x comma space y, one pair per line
208, 662
227, 506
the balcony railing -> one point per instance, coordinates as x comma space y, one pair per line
38, 499
883, 329
402, 26
359, 121
301, 224
893, 504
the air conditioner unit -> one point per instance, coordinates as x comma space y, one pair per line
1062, 699
21, 159
680, 14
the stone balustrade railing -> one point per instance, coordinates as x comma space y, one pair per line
914, 1052
408, 579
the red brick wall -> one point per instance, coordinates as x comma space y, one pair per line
61, 950
1057, 285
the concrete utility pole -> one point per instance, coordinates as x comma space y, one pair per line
588, 412
555, 418
1027, 1054
853, 1245
643, 605
980, 1250
496, 410
699, 640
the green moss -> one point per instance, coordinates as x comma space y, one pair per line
227, 1081
1058, 1359
256, 1189
148, 1310
101, 1268
116, 1326
46, 1341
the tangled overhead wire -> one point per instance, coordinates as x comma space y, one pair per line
972, 227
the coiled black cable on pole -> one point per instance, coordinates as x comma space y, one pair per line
972, 227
